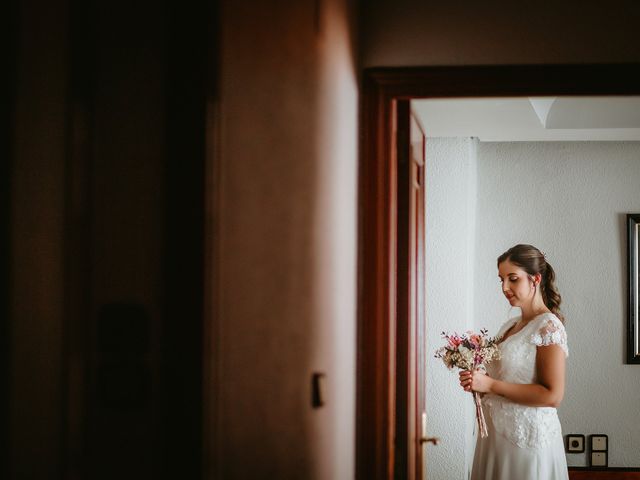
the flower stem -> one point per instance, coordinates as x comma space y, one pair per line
482, 424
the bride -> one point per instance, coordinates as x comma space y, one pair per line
523, 389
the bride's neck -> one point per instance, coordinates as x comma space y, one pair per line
529, 312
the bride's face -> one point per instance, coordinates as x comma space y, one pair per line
517, 287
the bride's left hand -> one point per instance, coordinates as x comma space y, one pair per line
478, 381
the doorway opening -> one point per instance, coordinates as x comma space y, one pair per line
391, 432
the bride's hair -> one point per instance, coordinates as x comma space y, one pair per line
533, 261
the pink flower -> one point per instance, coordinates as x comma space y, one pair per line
475, 340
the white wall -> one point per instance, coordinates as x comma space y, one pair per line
570, 200
450, 232
287, 227
430, 32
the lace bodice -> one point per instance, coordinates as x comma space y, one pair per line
527, 427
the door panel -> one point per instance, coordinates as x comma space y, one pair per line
410, 336
404, 466
417, 262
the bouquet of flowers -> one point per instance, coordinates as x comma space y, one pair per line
469, 351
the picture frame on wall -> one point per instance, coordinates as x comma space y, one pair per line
633, 313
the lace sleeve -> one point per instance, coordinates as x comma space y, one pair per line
551, 331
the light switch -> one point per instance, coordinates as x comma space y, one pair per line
599, 443
598, 459
317, 390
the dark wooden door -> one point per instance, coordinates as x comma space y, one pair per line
417, 265
410, 325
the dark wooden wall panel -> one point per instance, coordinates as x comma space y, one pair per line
137, 228
586, 473
103, 237
8, 41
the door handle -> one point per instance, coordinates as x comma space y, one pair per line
434, 440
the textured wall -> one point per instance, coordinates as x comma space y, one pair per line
429, 32
450, 231
287, 227
570, 200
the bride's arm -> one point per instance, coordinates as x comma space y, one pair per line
548, 392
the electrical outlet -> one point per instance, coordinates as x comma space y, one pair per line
575, 443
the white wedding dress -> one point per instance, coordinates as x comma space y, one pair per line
524, 443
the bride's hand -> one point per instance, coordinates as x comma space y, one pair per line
465, 380
479, 381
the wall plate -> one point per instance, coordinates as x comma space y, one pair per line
599, 459
575, 443
599, 443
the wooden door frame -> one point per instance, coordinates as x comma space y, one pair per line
378, 268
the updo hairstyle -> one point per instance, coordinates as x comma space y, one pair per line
533, 261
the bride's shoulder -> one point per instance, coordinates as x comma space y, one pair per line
549, 330
549, 319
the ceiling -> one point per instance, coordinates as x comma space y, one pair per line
532, 119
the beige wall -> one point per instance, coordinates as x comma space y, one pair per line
287, 252
429, 32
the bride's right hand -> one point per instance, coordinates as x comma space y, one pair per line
480, 384
465, 380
